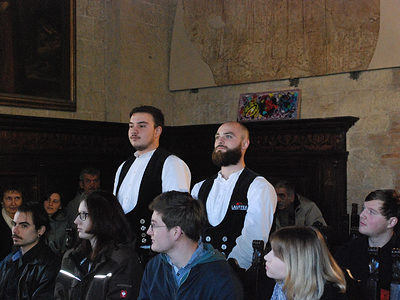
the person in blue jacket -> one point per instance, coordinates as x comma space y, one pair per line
185, 268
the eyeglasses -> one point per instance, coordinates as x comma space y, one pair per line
82, 215
152, 226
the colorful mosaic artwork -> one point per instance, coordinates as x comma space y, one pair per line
273, 105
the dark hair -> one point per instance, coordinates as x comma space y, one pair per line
9, 188
90, 171
109, 223
285, 184
51, 192
39, 214
157, 114
180, 209
391, 203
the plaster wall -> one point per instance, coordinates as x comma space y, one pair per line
122, 61
372, 143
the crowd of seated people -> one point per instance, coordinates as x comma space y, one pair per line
105, 264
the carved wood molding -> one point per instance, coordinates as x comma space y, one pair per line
33, 135
312, 135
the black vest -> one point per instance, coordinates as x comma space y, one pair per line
223, 236
150, 187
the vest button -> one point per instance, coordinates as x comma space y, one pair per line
223, 247
143, 234
144, 241
208, 239
143, 228
142, 221
224, 239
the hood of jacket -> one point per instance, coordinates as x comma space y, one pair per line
209, 254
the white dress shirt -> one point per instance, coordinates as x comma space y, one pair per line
259, 216
175, 176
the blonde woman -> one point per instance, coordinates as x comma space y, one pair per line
302, 266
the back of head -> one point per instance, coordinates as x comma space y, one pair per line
180, 209
391, 203
157, 114
109, 223
308, 261
39, 215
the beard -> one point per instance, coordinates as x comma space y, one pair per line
227, 158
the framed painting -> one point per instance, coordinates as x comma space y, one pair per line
37, 54
271, 105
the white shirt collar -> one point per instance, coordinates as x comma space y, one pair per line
144, 155
233, 176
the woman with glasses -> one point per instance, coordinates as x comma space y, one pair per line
104, 265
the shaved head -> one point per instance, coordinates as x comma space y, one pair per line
244, 132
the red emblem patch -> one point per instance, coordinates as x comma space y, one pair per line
123, 294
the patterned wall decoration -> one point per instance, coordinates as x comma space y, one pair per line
273, 105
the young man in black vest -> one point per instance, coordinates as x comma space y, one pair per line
240, 204
148, 173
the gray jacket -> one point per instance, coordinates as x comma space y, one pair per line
306, 213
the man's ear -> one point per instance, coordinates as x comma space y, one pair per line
245, 144
41, 230
292, 196
392, 222
158, 131
177, 232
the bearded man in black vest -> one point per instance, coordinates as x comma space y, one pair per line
148, 173
240, 204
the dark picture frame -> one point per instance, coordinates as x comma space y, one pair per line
37, 54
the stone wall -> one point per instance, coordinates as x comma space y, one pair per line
122, 61
372, 142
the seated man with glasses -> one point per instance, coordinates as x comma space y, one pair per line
186, 268
29, 272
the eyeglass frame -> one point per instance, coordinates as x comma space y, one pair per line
152, 226
82, 215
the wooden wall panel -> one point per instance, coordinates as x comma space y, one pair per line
44, 152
